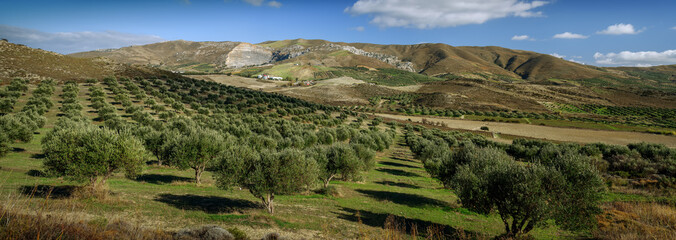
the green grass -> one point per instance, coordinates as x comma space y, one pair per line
385, 76
398, 186
205, 67
166, 198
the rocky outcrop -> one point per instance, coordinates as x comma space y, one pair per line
211, 232
246, 54
297, 50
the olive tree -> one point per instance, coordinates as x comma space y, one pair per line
198, 148
81, 151
17, 127
334, 160
566, 189
160, 142
6, 105
266, 173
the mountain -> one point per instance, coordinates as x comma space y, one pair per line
19, 61
428, 59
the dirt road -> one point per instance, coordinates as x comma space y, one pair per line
550, 133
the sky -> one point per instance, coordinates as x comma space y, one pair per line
595, 32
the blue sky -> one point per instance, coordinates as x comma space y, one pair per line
604, 33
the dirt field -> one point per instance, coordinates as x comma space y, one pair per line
339, 81
238, 81
550, 133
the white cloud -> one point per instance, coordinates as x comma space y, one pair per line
70, 42
359, 28
645, 58
254, 2
259, 3
620, 29
569, 35
521, 38
575, 61
674, 28
441, 13
274, 4
564, 58
557, 55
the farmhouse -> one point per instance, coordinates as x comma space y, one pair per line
270, 77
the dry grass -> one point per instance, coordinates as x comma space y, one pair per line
622, 220
36, 218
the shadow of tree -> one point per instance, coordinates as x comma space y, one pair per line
38, 155
407, 225
411, 200
398, 172
207, 204
394, 164
162, 179
403, 159
16, 149
36, 173
398, 184
43, 191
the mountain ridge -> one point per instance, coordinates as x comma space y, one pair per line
431, 59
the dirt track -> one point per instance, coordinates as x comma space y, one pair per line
550, 133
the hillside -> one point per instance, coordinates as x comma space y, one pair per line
19, 61
428, 59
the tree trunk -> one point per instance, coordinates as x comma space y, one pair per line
198, 175
504, 220
92, 183
159, 158
327, 181
268, 201
529, 227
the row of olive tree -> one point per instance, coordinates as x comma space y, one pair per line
264, 153
10, 94
21, 126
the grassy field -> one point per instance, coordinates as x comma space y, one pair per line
396, 199
166, 198
398, 191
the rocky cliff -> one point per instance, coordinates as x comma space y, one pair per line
246, 54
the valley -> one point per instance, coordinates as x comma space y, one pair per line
358, 141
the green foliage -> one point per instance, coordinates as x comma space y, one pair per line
7, 105
557, 183
82, 151
197, 148
566, 189
267, 173
333, 160
384, 76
